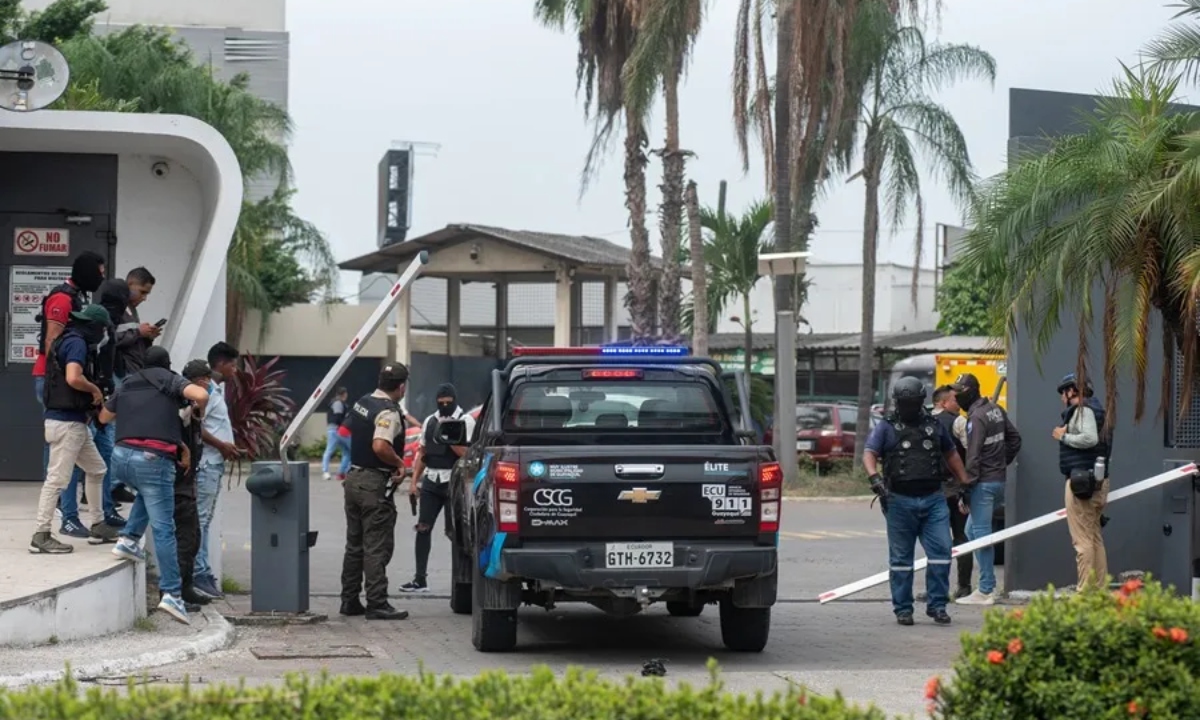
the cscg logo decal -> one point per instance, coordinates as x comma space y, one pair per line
553, 497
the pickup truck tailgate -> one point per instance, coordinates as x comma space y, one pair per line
638, 493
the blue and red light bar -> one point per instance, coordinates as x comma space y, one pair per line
603, 351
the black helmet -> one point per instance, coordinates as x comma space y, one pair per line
1068, 381
908, 388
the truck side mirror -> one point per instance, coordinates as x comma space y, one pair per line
452, 432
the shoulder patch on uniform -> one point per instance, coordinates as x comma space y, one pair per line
383, 422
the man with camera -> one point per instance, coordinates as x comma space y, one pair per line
431, 477
1083, 460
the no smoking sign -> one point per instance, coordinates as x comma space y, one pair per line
41, 241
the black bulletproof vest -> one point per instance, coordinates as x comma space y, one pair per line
145, 410
917, 456
947, 420
77, 303
361, 421
1070, 458
335, 418
437, 454
58, 395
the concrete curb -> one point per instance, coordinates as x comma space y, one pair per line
832, 499
219, 635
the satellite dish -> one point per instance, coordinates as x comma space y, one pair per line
33, 74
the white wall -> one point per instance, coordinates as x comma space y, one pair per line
245, 14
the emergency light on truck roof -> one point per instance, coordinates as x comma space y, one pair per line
604, 350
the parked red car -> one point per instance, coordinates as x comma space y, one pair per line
826, 431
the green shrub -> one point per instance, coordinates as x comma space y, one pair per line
1129, 654
576, 695
314, 450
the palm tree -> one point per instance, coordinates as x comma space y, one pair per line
666, 35
898, 118
607, 32
699, 268
1177, 49
1113, 207
731, 251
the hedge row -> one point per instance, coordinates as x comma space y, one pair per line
576, 695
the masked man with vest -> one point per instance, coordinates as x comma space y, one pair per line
992, 444
947, 412
70, 397
916, 451
375, 463
1080, 443
150, 444
431, 477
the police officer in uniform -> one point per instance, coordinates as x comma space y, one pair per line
915, 450
375, 464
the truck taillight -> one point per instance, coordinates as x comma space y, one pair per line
508, 485
770, 490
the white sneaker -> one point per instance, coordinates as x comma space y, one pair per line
978, 598
328, 477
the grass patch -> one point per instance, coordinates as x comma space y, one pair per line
231, 586
828, 484
144, 624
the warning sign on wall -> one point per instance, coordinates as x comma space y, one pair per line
27, 286
42, 241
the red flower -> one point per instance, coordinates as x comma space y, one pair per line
995, 657
1134, 708
803, 699
1131, 586
931, 687
1015, 646
1179, 635
1160, 632
1018, 614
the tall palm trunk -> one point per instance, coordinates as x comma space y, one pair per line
866, 345
671, 212
785, 298
640, 299
699, 275
748, 326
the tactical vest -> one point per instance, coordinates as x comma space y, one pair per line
58, 393
77, 303
1071, 458
145, 410
916, 465
437, 454
947, 421
335, 418
361, 422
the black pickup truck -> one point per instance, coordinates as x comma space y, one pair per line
620, 478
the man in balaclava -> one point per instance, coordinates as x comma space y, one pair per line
915, 450
992, 443
87, 272
431, 477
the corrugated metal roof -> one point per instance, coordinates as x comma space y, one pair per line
956, 343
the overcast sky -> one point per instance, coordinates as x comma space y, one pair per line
497, 91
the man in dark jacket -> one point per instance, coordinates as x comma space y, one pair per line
992, 444
135, 337
949, 416
1081, 441
187, 517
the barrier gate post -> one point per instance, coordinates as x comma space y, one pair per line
279, 507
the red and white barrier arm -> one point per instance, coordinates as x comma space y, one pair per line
403, 285
1015, 530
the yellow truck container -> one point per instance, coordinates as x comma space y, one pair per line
988, 368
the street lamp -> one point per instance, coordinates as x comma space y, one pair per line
776, 265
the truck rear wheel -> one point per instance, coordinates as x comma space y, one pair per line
491, 630
460, 581
684, 608
744, 629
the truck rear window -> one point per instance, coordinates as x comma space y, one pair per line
613, 406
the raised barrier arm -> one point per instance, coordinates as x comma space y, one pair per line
1015, 530
403, 285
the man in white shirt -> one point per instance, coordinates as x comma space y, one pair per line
217, 433
431, 477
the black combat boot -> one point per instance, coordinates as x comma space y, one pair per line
352, 608
386, 612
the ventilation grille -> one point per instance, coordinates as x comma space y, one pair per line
1185, 433
251, 50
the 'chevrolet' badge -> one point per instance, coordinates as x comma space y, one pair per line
639, 496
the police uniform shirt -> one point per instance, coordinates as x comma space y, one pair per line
435, 474
388, 423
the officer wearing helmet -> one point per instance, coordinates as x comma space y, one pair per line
915, 451
1081, 443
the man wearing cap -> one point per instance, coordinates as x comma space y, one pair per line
992, 444
187, 519
149, 446
375, 465
70, 396
431, 477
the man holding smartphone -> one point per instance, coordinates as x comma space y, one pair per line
135, 337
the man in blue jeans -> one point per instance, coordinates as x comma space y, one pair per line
992, 444
916, 451
149, 445
333, 441
217, 433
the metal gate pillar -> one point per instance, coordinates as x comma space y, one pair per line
279, 538
1180, 555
